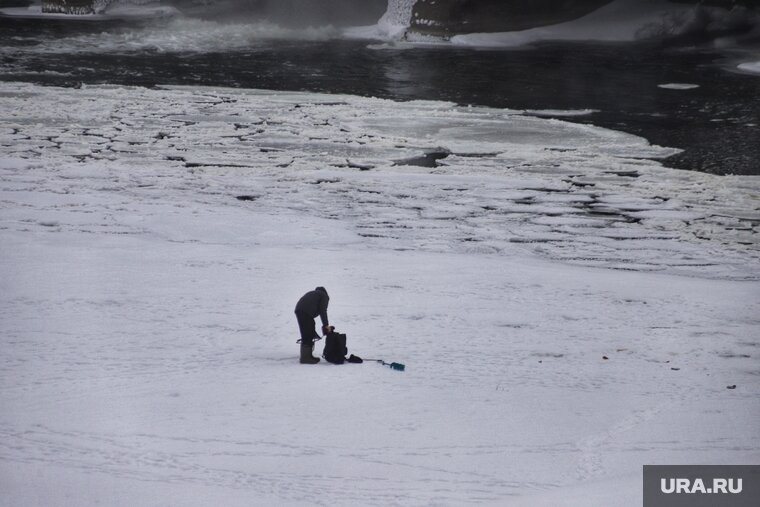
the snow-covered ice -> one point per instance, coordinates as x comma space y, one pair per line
751, 67
560, 112
568, 308
678, 86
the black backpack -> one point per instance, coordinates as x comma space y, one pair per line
335, 348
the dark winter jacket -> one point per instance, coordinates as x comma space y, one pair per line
314, 303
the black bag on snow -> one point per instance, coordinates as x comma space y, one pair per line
335, 348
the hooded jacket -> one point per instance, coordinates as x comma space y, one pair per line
314, 303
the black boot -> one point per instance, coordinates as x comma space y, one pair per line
306, 350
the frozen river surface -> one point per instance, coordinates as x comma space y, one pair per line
692, 98
568, 308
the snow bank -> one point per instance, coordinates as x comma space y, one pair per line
567, 308
619, 21
115, 12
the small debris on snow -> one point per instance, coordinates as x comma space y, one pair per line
678, 86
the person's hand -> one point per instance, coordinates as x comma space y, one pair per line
327, 329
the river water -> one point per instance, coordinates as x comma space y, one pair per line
716, 120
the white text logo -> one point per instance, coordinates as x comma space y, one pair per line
718, 486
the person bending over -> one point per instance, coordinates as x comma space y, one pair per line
312, 304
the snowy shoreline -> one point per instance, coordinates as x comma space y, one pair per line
118, 12
568, 309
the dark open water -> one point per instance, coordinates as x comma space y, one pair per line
717, 124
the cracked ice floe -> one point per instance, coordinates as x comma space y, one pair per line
416, 175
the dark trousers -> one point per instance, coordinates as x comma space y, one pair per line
307, 328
